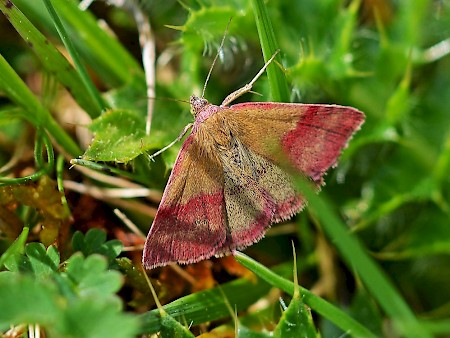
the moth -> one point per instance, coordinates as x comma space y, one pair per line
233, 176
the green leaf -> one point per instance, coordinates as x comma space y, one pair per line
80, 67
89, 319
43, 262
95, 242
91, 278
17, 248
27, 300
364, 309
420, 241
172, 328
340, 60
37, 301
399, 104
17, 91
37, 260
52, 60
191, 309
321, 306
296, 321
119, 137
106, 56
244, 332
127, 122
370, 273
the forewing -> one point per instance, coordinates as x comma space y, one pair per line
305, 137
190, 224
257, 193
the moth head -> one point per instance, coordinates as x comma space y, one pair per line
197, 104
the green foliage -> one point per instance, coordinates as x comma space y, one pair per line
191, 308
385, 208
95, 242
16, 248
172, 328
119, 136
296, 320
74, 299
335, 315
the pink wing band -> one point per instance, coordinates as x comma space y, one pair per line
319, 137
186, 233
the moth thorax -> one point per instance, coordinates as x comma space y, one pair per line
197, 104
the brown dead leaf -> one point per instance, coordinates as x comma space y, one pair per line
234, 268
43, 196
201, 272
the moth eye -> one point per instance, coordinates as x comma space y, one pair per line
198, 102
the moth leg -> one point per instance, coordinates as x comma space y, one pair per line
248, 87
185, 130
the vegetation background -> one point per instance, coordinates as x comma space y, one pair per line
372, 249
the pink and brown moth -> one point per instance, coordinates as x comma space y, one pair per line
232, 178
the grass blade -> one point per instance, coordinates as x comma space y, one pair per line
277, 79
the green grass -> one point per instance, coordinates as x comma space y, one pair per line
375, 241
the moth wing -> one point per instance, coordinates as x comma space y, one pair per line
307, 138
190, 224
257, 193
275, 139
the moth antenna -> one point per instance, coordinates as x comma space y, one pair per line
166, 99
215, 58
